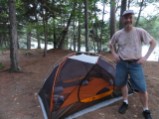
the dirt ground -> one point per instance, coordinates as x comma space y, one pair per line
18, 91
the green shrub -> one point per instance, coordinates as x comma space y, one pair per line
1, 66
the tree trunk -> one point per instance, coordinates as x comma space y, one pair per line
54, 34
13, 37
86, 25
96, 38
37, 32
1, 40
74, 36
137, 20
65, 30
45, 34
29, 40
55, 45
123, 8
129, 1
79, 37
112, 18
102, 25
38, 38
79, 29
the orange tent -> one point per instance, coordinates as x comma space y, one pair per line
79, 81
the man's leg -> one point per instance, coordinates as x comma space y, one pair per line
124, 105
124, 91
121, 81
144, 99
139, 82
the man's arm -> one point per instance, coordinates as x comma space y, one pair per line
151, 48
113, 51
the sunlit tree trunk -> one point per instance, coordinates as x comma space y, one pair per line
13, 37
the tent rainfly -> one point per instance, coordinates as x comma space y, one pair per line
78, 82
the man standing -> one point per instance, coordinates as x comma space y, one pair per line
126, 47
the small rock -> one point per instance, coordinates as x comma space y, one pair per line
135, 116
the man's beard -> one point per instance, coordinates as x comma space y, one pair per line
128, 26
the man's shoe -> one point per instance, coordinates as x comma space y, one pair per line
123, 108
147, 114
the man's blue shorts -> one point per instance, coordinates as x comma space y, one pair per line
132, 69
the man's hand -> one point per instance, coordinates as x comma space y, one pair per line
142, 60
116, 57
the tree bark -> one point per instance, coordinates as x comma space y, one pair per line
54, 34
65, 30
123, 8
13, 37
79, 29
38, 39
45, 34
37, 32
74, 36
86, 25
29, 40
102, 27
79, 37
112, 18
137, 20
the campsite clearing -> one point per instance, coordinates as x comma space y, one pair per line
19, 91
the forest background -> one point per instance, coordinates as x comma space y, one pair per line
68, 24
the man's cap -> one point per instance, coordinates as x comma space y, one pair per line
128, 12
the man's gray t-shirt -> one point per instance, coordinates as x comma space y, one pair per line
129, 44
